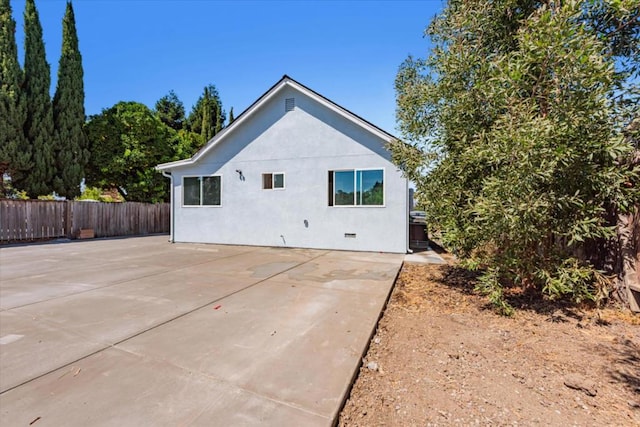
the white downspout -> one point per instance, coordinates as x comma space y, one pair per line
172, 206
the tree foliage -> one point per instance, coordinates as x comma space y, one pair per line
186, 144
231, 116
68, 113
207, 116
170, 111
515, 127
15, 152
126, 142
38, 127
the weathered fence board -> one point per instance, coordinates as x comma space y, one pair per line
31, 219
45, 219
120, 219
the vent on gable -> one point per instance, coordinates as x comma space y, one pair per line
289, 104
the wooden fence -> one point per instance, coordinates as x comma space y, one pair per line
44, 219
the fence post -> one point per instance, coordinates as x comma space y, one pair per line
68, 207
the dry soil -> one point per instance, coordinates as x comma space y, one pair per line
442, 357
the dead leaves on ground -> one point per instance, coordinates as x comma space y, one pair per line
429, 288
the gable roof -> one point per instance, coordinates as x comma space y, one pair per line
283, 83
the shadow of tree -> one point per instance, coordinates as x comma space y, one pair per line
458, 278
558, 311
622, 354
626, 367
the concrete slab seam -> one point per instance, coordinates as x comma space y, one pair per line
124, 280
158, 325
222, 381
314, 286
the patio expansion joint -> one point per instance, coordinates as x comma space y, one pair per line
220, 380
364, 254
193, 310
159, 324
119, 282
320, 287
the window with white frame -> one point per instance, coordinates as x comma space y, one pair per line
201, 190
356, 187
271, 181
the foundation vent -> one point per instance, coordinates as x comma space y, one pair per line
289, 104
350, 235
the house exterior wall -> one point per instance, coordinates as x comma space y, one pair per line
305, 144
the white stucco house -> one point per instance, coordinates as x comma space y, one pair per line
296, 170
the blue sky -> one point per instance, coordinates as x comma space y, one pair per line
138, 50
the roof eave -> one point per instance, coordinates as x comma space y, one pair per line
173, 165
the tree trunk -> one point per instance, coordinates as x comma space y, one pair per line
628, 286
628, 231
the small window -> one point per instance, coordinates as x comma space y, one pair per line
201, 190
356, 187
272, 181
278, 180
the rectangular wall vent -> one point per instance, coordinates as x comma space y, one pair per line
350, 235
289, 104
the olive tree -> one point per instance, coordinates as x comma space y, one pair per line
514, 130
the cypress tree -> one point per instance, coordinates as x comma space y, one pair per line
38, 128
207, 116
15, 153
219, 117
208, 129
231, 116
71, 153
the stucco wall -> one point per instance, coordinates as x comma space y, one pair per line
304, 144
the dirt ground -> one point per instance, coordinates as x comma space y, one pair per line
442, 357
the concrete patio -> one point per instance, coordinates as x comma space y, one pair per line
138, 331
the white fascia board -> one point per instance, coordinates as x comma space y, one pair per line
172, 165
